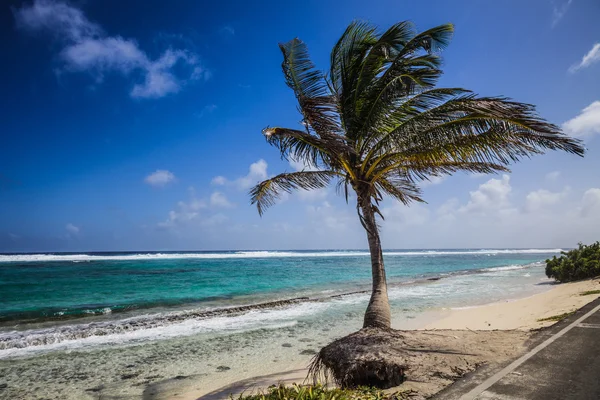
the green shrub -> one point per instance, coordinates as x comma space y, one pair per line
318, 392
576, 264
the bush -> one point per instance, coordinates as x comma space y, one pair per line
318, 392
576, 264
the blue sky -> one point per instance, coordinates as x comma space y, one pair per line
137, 125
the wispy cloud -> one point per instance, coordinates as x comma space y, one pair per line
219, 180
586, 124
207, 109
218, 199
227, 30
72, 229
591, 57
256, 172
559, 11
542, 198
196, 212
552, 176
87, 48
160, 178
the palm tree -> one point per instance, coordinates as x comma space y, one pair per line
377, 124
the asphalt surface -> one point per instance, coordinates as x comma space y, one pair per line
562, 362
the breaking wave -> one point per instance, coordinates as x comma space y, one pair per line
254, 254
269, 315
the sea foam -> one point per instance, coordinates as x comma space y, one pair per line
256, 254
155, 327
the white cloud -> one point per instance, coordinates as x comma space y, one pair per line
104, 54
539, 199
159, 79
591, 57
58, 18
219, 180
587, 123
218, 199
196, 213
590, 204
552, 176
88, 49
176, 217
256, 173
490, 195
72, 229
184, 212
160, 178
559, 12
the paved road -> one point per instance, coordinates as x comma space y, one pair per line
562, 363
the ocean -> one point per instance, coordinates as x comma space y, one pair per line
71, 311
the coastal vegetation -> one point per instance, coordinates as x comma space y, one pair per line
377, 126
580, 263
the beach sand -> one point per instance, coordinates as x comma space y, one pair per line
522, 314
506, 327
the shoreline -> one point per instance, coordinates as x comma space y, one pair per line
521, 314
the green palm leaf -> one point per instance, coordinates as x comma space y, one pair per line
266, 193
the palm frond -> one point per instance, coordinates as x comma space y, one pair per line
491, 129
400, 188
346, 64
266, 193
403, 78
410, 107
316, 102
432, 40
381, 53
303, 146
423, 169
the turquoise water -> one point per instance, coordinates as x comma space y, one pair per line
56, 301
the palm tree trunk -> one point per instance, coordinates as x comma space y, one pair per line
378, 311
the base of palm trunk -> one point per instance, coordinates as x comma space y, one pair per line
363, 358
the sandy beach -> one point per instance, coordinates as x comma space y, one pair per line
508, 325
522, 314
